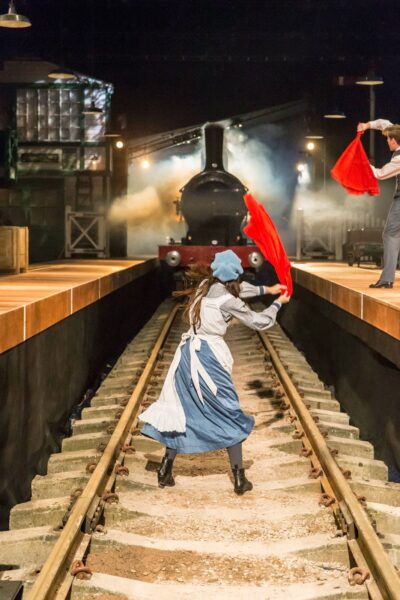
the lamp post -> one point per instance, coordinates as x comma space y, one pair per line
335, 114
311, 136
371, 80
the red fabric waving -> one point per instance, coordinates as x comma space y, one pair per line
352, 170
263, 232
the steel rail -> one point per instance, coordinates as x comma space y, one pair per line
382, 570
52, 570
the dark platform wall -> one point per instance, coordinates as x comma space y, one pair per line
42, 380
366, 382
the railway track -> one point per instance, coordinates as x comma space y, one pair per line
321, 519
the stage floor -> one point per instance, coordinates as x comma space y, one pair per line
347, 288
33, 301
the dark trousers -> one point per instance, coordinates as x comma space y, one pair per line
391, 242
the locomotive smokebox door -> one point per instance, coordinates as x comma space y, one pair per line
212, 201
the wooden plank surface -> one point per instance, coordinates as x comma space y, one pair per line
348, 288
33, 301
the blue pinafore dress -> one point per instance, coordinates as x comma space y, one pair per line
198, 409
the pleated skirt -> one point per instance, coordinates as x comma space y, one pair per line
218, 422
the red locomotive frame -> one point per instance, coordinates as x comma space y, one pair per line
205, 254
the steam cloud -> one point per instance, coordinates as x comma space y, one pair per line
327, 215
148, 208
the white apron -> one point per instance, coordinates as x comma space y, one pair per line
167, 413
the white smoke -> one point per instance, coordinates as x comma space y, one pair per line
148, 208
252, 161
327, 214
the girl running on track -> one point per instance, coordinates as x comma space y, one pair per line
198, 409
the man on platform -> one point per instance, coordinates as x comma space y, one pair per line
391, 232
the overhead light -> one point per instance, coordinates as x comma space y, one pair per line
335, 114
314, 136
61, 73
12, 19
369, 79
310, 146
145, 164
120, 144
92, 109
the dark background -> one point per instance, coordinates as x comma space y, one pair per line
179, 62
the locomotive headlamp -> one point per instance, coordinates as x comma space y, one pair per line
173, 258
255, 259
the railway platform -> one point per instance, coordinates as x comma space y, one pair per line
343, 295
348, 288
45, 295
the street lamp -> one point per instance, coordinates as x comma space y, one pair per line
371, 80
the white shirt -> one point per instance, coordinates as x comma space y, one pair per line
392, 168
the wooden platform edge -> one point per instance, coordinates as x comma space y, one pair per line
375, 311
20, 322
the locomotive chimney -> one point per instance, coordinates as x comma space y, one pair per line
214, 142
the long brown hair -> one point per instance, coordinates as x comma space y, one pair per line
197, 281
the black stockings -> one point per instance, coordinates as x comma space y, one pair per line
234, 453
235, 456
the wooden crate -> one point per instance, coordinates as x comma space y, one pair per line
14, 249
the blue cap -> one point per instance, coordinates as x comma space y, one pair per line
226, 266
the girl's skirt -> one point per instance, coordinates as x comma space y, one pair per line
217, 423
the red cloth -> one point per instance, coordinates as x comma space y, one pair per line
263, 232
353, 171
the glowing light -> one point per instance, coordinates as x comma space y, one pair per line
310, 146
145, 164
304, 177
119, 144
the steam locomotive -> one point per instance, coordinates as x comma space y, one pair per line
214, 210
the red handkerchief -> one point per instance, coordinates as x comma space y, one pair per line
263, 232
353, 171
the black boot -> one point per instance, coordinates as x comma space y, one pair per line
382, 284
164, 473
242, 484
